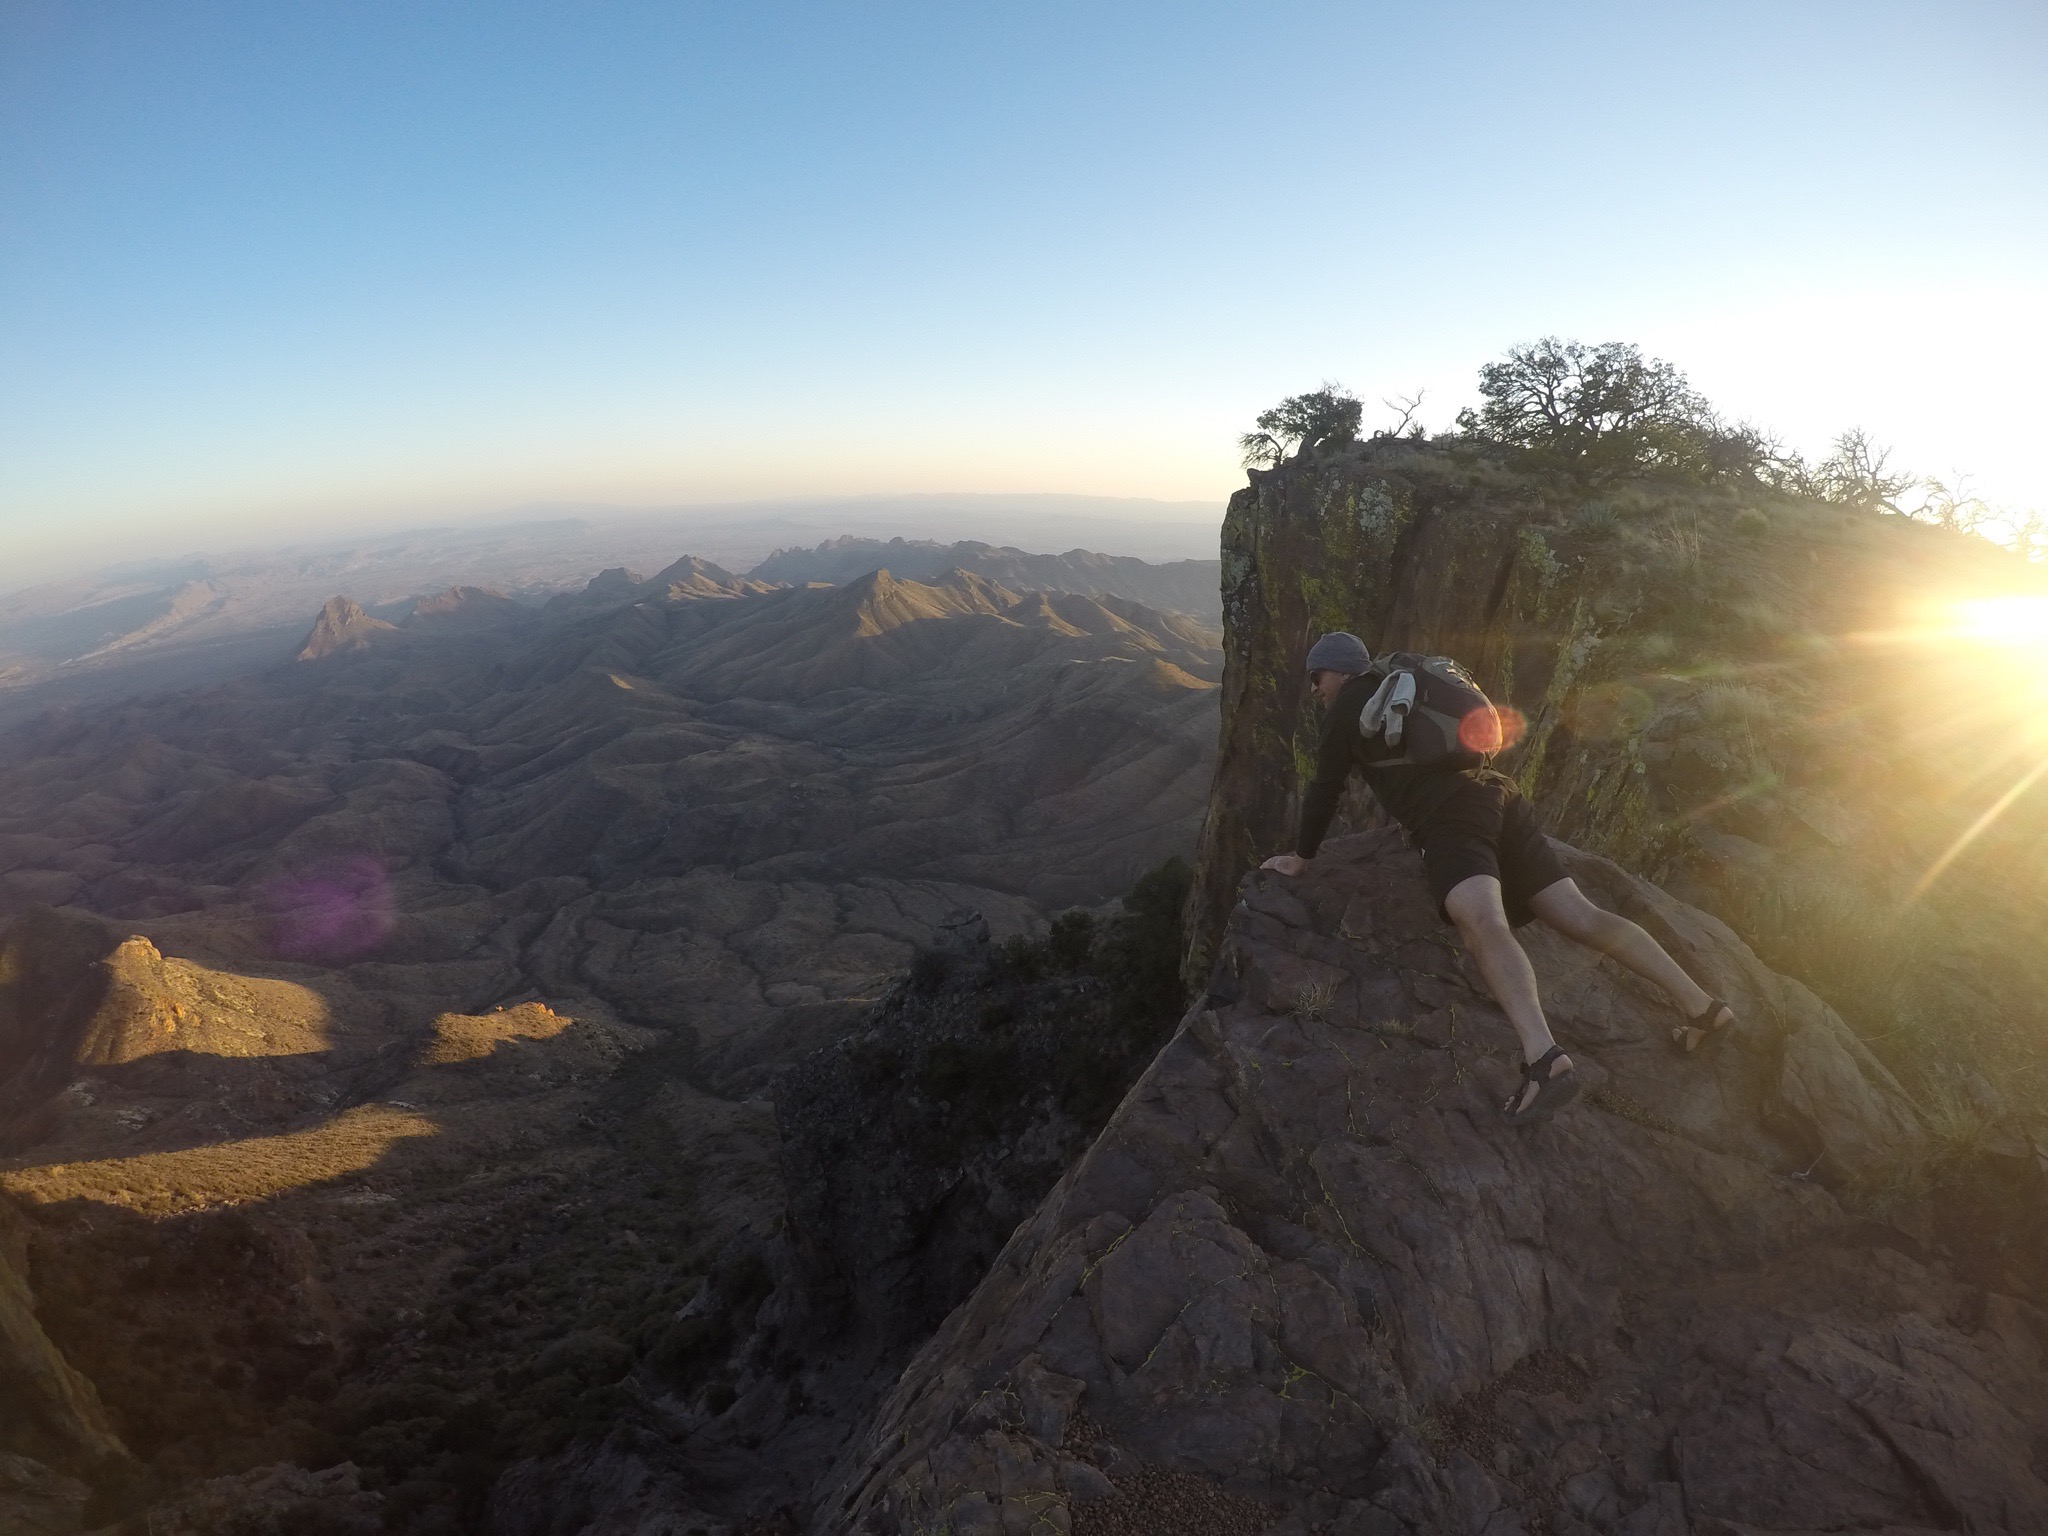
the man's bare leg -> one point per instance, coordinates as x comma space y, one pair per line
1482, 922
1565, 907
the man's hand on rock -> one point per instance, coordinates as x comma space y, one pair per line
1286, 864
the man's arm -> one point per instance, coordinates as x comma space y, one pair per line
1318, 805
1319, 799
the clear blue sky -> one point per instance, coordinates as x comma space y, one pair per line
296, 265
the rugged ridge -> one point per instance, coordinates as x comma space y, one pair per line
341, 627
1306, 1280
686, 579
1177, 586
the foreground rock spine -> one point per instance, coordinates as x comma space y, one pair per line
1306, 1270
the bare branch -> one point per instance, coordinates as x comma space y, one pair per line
1407, 405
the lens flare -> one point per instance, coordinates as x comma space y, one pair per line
2013, 621
335, 912
1976, 829
2004, 704
1491, 730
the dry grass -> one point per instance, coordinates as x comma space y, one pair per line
228, 1173
1956, 1127
1955, 1121
1848, 946
1313, 1000
1617, 1103
1736, 706
1656, 650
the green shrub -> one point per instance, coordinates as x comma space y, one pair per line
1072, 939
1596, 520
1022, 957
1141, 953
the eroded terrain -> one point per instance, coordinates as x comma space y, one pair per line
384, 1033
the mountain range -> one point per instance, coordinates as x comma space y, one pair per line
150, 626
1180, 586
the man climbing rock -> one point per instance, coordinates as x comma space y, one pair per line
1490, 871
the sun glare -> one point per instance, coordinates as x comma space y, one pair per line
2015, 621
2010, 635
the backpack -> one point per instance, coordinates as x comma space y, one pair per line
1428, 713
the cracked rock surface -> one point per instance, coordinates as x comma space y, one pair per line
1308, 1280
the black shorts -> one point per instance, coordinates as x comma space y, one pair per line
1487, 828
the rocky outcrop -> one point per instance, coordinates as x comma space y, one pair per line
341, 628
1307, 1280
1395, 545
35, 1501
1713, 689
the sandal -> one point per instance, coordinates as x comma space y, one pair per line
1553, 1091
1703, 1028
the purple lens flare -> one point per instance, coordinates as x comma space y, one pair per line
334, 911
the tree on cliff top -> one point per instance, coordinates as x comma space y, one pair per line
1606, 411
1857, 475
1303, 422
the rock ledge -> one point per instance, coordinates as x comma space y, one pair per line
1306, 1280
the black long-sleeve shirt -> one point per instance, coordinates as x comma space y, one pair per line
1410, 794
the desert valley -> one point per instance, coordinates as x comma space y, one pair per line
381, 923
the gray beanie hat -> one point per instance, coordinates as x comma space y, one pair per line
1340, 651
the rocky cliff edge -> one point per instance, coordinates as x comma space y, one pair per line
1307, 1281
